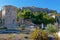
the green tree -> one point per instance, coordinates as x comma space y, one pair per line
42, 17
27, 14
38, 18
19, 14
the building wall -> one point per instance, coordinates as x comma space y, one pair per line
9, 16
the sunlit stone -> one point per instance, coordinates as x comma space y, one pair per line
58, 34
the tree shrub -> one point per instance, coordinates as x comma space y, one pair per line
39, 35
51, 28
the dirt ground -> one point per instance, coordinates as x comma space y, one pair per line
14, 37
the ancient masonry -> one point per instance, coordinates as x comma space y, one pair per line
9, 16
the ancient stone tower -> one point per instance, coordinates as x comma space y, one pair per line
9, 16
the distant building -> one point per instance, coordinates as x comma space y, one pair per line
9, 16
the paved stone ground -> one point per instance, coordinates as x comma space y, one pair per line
14, 37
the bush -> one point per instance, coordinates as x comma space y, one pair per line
51, 28
39, 35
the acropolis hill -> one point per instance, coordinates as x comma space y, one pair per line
8, 15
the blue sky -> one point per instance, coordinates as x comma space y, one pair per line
51, 4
